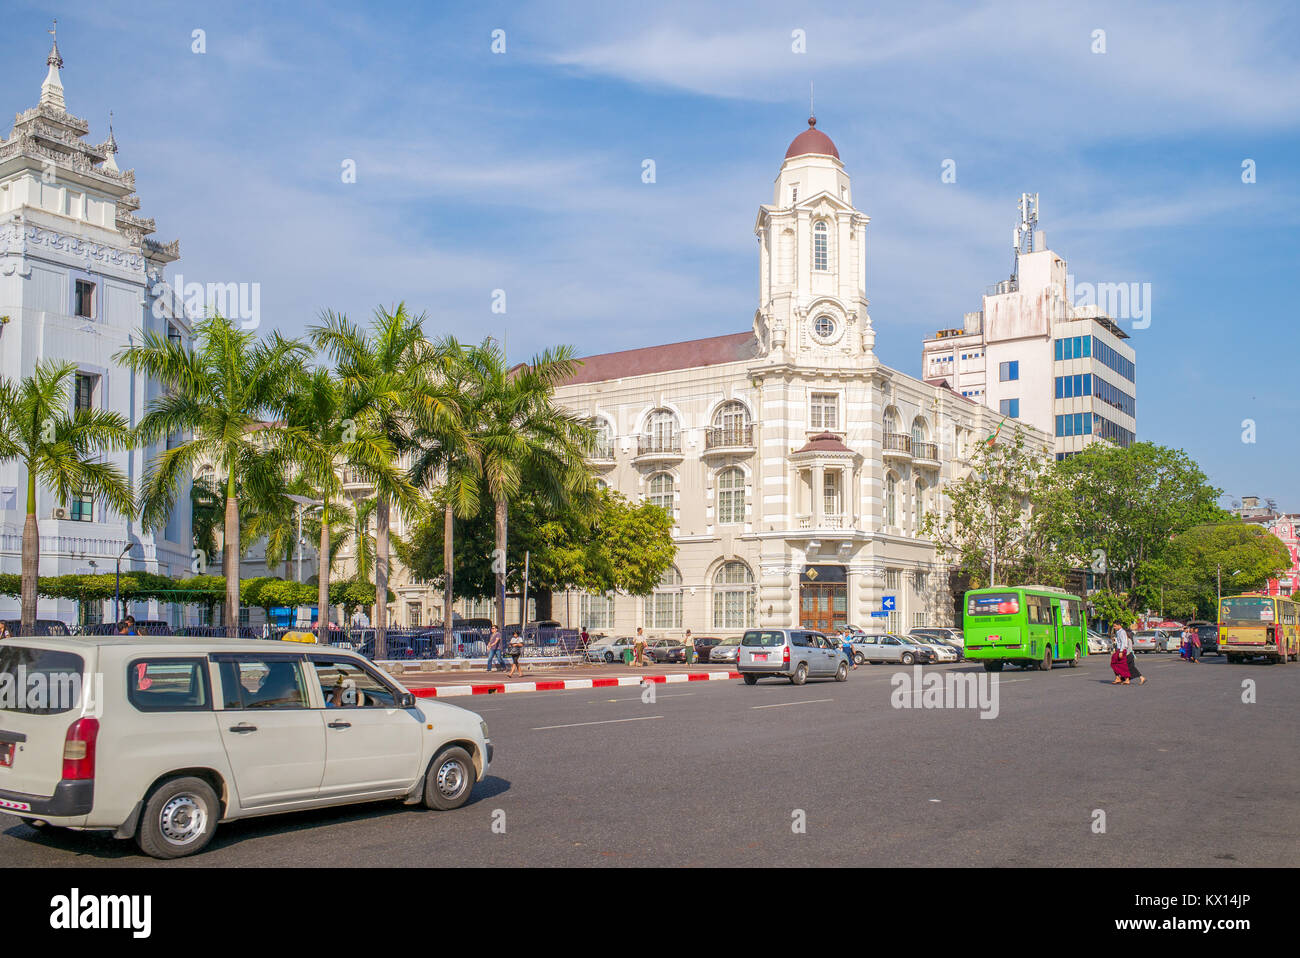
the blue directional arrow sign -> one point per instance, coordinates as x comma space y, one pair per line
887, 603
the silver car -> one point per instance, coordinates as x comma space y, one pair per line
1148, 640
725, 651
795, 654
890, 647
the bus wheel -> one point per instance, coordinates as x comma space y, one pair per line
992, 666
1074, 662
1046, 664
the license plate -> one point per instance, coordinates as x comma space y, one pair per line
7, 754
758, 656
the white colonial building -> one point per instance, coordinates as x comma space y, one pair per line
796, 468
77, 279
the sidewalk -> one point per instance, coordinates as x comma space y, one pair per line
555, 679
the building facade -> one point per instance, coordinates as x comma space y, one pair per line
1284, 525
78, 275
1031, 355
796, 467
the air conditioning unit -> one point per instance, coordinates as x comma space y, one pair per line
60, 512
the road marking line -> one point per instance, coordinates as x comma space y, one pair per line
642, 718
779, 705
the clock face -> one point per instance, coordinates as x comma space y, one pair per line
824, 328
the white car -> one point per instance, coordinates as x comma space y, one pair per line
942, 651
609, 650
161, 739
1098, 644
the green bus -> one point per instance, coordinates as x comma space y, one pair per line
1033, 626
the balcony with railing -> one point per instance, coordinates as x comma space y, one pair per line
897, 445
720, 440
659, 447
925, 453
831, 521
602, 455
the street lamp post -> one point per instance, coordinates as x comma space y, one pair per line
117, 586
303, 503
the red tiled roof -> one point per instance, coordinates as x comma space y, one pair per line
657, 359
812, 140
824, 442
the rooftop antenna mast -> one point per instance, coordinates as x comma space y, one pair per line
1022, 241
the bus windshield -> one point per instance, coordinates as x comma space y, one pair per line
1247, 608
993, 603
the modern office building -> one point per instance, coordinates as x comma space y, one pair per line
1031, 354
79, 281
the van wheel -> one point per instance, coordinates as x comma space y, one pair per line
858, 659
449, 780
750, 679
179, 818
800, 674
842, 673
992, 666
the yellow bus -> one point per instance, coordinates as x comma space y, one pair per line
1255, 625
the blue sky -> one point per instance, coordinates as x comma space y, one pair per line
522, 171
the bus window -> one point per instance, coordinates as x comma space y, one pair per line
1039, 609
1247, 608
993, 604
1067, 612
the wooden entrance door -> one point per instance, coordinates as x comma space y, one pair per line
823, 607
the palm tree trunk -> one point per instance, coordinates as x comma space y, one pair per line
381, 576
230, 559
31, 560
323, 577
448, 593
499, 563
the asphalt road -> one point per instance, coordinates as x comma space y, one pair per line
719, 773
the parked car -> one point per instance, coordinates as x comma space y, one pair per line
943, 652
704, 644
665, 650
891, 647
42, 627
176, 736
609, 649
944, 642
1098, 644
1172, 639
1148, 640
795, 654
726, 650
953, 637
1208, 632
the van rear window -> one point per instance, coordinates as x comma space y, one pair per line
763, 639
168, 685
993, 604
39, 681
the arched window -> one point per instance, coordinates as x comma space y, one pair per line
602, 484
891, 500
733, 597
604, 447
891, 421
919, 429
731, 495
661, 492
824, 327
731, 415
661, 429
663, 608
819, 245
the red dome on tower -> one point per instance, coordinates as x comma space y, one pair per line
812, 140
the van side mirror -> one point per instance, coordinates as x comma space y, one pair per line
406, 700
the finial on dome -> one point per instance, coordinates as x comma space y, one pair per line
52, 88
812, 121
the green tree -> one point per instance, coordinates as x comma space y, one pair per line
1188, 571
1004, 522
226, 399
390, 366
1127, 505
61, 450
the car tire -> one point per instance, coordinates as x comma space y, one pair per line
179, 818
992, 666
858, 659
800, 674
842, 673
907, 658
609, 658
750, 679
449, 780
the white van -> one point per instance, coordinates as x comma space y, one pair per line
159, 739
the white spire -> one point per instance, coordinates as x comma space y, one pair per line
110, 147
52, 88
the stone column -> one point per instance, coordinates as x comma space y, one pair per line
818, 492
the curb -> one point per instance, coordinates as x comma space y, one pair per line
562, 685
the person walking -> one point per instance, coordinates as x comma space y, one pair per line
516, 650
494, 650
1122, 638
1193, 645
690, 648
1118, 658
638, 648
846, 643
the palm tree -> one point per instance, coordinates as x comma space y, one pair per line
519, 430
446, 451
228, 394
390, 367
60, 450
331, 431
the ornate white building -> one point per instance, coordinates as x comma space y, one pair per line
797, 469
78, 275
